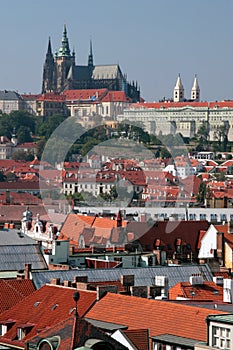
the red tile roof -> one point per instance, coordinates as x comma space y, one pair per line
84, 94
116, 96
139, 337
137, 313
13, 291
44, 308
208, 291
169, 231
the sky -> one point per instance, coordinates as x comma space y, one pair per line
152, 41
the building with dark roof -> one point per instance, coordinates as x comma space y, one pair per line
61, 73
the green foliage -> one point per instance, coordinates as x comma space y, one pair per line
201, 193
21, 122
2, 177
21, 155
48, 126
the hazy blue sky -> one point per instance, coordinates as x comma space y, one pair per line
152, 40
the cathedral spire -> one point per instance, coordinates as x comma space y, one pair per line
64, 50
48, 71
195, 93
49, 51
178, 90
90, 57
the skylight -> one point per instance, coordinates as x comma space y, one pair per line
54, 306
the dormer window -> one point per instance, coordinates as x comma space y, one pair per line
5, 326
3, 329
23, 330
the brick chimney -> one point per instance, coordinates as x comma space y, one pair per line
27, 271
55, 281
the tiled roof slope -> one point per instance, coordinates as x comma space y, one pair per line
73, 333
12, 291
159, 317
168, 232
16, 250
144, 276
44, 308
208, 291
139, 337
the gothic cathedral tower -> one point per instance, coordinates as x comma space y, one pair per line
49, 72
57, 67
63, 61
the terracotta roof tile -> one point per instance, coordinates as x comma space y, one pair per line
207, 291
45, 308
139, 337
12, 291
137, 313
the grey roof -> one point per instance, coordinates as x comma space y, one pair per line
9, 95
106, 72
173, 339
106, 325
221, 318
79, 73
144, 276
15, 251
14, 237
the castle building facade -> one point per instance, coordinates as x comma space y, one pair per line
60, 73
184, 116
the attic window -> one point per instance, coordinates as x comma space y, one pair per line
37, 303
23, 330
3, 329
192, 292
5, 326
216, 292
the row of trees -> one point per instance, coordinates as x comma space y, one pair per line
30, 128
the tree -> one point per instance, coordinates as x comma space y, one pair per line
21, 122
2, 176
21, 155
221, 135
202, 137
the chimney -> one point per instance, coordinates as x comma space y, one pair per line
81, 285
127, 281
55, 281
27, 271
139, 291
67, 283
102, 290
83, 279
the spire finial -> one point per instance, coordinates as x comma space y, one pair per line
64, 50
90, 57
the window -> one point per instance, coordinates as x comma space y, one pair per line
223, 217
3, 329
202, 216
221, 337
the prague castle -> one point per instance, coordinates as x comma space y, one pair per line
61, 73
184, 116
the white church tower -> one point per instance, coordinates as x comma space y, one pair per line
195, 92
178, 90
